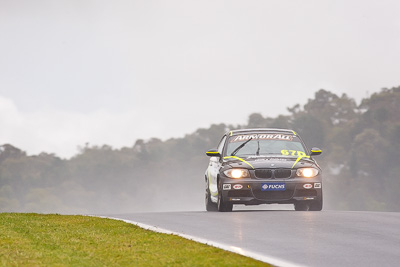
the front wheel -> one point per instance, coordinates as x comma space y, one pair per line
210, 206
301, 206
221, 204
316, 205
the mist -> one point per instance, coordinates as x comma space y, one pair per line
359, 162
108, 107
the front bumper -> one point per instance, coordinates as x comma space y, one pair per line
250, 191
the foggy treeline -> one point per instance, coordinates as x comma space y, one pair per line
360, 161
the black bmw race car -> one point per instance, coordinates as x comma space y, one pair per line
263, 166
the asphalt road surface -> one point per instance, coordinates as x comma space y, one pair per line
326, 238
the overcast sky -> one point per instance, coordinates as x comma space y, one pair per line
110, 72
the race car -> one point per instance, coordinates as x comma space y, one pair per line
263, 166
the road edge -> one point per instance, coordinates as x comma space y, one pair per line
267, 259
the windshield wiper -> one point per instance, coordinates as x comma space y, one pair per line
240, 147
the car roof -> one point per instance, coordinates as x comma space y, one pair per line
258, 130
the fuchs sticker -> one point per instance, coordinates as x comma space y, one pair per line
307, 186
273, 187
237, 186
226, 186
241, 138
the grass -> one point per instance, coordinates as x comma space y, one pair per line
63, 240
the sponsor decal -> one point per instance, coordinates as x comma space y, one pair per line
267, 158
237, 186
241, 138
317, 185
273, 187
226, 186
257, 157
307, 186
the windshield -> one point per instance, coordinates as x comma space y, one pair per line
265, 144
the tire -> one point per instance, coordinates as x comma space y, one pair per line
309, 206
301, 206
316, 205
210, 206
221, 204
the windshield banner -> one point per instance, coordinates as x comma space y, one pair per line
241, 138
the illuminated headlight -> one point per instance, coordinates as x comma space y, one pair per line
237, 173
307, 172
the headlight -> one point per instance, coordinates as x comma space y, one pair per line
237, 173
307, 172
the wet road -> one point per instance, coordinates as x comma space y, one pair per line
327, 238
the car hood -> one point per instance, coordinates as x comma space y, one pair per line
266, 162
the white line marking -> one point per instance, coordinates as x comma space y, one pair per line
237, 250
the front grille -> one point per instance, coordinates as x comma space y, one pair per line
273, 173
282, 173
263, 173
239, 193
273, 195
306, 193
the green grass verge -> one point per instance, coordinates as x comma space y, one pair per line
63, 240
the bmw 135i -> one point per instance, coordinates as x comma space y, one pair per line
263, 166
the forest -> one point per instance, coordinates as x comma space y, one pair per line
360, 162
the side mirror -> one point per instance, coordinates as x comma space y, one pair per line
213, 153
315, 151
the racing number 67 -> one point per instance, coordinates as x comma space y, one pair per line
292, 152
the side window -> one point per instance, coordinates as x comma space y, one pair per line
221, 145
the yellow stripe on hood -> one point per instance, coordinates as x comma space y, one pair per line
234, 157
299, 158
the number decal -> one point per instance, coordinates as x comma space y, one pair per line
292, 153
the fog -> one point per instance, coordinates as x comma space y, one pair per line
109, 106
101, 72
